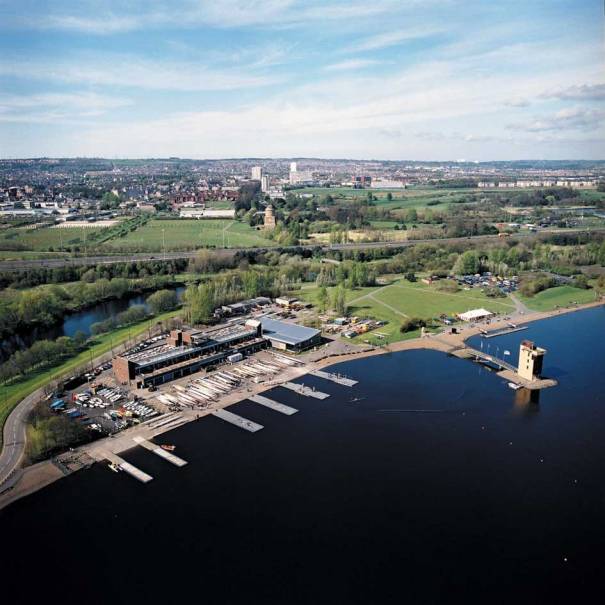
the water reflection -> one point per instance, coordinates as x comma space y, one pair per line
527, 401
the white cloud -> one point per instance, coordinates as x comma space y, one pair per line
582, 92
571, 118
57, 107
353, 64
128, 71
117, 17
392, 38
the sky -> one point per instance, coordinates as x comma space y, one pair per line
372, 79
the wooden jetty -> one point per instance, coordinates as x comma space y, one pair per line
132, 470
243, 423
274, 405
301, 389
158, 451
337, 378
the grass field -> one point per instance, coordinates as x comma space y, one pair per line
29, 255
45, 238
11, 395
189, 234
404, 199
561, 296
401, 299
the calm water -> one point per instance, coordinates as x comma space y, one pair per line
439, 485
74, 322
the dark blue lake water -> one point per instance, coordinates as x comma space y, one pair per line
439, 484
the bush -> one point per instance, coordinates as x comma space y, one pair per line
411, 324
532, 286
162, 301
581, 281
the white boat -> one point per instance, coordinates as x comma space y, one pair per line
515, 387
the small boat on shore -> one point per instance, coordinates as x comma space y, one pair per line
168, 448
114, 467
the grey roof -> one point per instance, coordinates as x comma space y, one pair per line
288, 333
175, 353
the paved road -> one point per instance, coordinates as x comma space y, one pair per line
50, 263
13, 445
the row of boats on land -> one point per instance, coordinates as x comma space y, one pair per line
202, 391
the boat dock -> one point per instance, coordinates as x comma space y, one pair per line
127, 467
480, 356
243, 423
274, 405
337, 378
301, 389
504, 331
156, 449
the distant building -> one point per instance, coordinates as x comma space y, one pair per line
300, 177
531, 359
387, 184
264, 183
270, 221
293, 167
207, 213
256, 173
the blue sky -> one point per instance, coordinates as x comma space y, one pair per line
386, 79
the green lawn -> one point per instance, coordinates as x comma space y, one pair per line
11, 395
46, 237
561, 296
400, 299
186, 234
29, 255
404, 199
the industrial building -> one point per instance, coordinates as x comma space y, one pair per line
186, 352
288, 336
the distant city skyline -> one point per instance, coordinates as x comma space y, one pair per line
388, 79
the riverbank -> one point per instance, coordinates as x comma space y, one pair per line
325, 357
11, 395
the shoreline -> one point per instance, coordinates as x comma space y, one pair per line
33, 478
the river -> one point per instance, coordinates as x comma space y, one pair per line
74, 322
430, 481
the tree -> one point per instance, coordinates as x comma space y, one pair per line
162, 301
389, 196
411, 215
467, 263
322, 299
339, 302
79, 339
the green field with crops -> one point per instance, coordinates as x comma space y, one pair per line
47, 238
187, 234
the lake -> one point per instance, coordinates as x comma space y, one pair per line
429, 482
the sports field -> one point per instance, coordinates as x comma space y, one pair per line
401, 299
45, 238
561, 296
185, 234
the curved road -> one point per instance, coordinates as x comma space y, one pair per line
13, 445
14, 428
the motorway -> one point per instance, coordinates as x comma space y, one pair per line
51, 263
